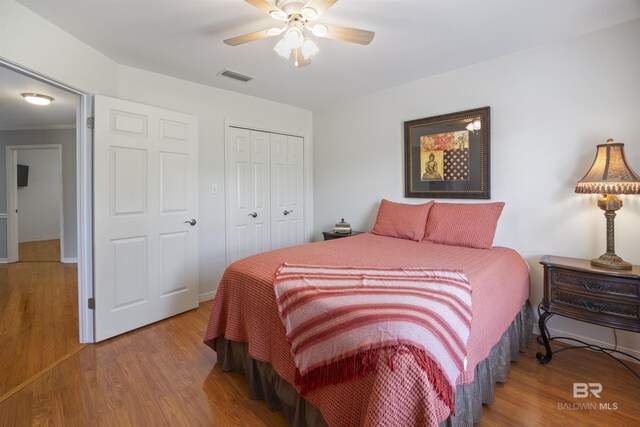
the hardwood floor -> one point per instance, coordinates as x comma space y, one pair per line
38, 318
164, 375
40, 251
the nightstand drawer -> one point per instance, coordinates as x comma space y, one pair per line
626, 311
595, 284
575, 289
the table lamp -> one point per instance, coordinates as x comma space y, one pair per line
610, 175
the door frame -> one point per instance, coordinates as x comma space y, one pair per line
307, 144
84, 190
13, 237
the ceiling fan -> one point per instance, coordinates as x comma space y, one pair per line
297, 17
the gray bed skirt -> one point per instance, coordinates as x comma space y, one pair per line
265, 383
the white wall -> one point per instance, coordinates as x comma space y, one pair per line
550, 106
212, 106
33, 42
39, 202
66, 138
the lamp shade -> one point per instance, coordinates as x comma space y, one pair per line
610, 173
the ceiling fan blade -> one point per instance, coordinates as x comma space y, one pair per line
268, 8
300, 61
347, 34
235, 41
319, 6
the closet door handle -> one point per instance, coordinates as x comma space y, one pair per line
253, 214
286, 212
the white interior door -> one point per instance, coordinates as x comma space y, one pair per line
286, 191
145, 196
247, 193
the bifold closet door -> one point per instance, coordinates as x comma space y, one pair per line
248, 159
286, 191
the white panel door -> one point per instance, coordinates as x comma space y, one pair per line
145, 196
238, 184
248, 193
286, 191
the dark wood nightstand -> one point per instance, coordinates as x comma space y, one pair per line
330, 235
575, 289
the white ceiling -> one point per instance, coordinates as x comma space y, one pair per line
414, 39
17, 114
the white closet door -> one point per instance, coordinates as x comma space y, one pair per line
145, 197
248, 193
286, 191
261, 191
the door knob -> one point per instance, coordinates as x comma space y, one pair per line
286, 212
192, 222
253, 214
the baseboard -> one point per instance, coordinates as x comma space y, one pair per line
39, 239
558, 333
69, 260
4, 261
207, 296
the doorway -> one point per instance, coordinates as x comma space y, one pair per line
36, 201
45, 225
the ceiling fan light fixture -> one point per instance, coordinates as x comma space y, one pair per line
278, 14
474, 125
275, 31
282, 49
37, 99
309, 48
293, 38
309, 13
320, 30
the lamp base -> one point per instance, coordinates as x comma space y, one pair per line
611, 261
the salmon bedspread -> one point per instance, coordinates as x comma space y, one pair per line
245, 310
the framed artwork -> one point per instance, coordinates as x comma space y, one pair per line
447, 156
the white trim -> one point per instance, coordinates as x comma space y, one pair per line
307, 146
12, 219
41, 239
12, 225
45, 127
3, 261
84, 174
560, 333
69, 260
207, 296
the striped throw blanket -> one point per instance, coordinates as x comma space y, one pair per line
341, 320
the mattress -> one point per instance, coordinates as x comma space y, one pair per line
244, 310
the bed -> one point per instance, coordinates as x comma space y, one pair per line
248, 335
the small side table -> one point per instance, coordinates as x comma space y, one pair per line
575, 289
330, 235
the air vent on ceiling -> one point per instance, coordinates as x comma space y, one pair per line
235, 76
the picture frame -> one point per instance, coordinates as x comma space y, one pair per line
448, 156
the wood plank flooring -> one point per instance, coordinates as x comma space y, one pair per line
38, 318
164, 375
40, 251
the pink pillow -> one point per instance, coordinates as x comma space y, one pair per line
402, 220
463, 224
